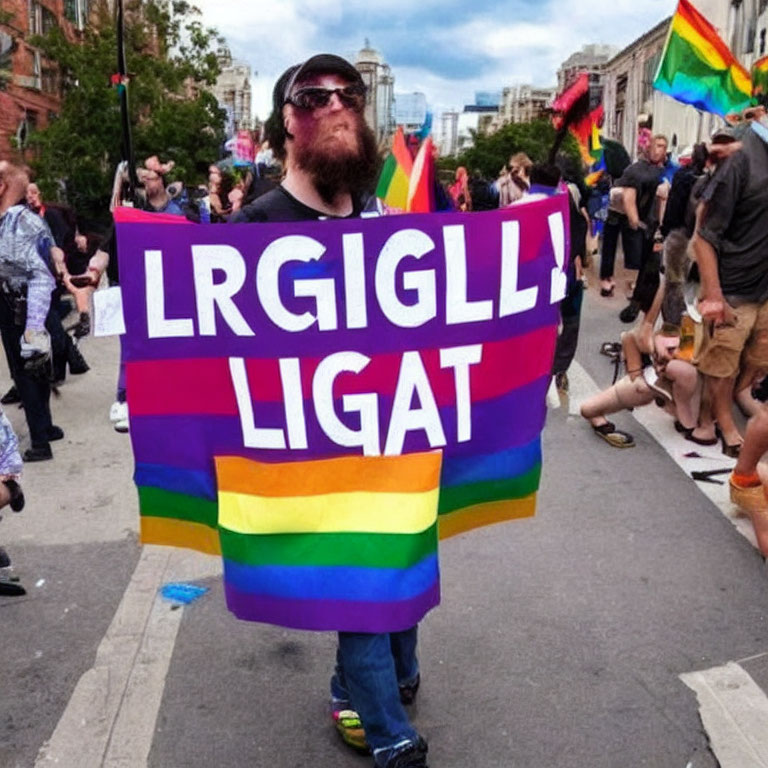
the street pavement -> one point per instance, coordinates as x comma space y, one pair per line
561, 640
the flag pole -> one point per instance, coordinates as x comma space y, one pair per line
122, 90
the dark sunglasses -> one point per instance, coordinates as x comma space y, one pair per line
315, 97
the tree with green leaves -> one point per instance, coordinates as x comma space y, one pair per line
171, 62
491, 151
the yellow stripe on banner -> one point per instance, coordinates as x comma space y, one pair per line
357, 512
170, 532
488, 513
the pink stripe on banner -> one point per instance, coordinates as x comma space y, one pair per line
164, 387
125, 215
333, 615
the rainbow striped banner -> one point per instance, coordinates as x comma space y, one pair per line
698, 68
297, 390
760, 78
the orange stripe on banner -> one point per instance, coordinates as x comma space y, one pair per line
170, 532
487, 513
409, 473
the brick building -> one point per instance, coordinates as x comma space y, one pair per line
30, 90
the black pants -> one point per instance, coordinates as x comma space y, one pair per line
631, 241
34, 389
648, 279
568, 339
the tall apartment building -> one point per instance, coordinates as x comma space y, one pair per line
590, 58
448, 137
233, 91
524, 103
379, 106
30, 90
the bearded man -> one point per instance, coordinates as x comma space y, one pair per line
329, 156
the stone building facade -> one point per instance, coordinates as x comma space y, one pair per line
233, 91
30, 89
379, 106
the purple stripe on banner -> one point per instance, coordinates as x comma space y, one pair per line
332, 615
333, 582
482, 234
188, 442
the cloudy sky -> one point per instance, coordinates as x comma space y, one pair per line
446, 48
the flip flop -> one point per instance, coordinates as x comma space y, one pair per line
615, 437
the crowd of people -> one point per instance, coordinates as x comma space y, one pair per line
693, 223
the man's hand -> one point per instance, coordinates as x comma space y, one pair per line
35, 350
717, 310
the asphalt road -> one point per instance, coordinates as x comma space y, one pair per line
559, 641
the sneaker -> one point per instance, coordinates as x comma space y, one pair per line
349, 726
408, 691
122, 426
413, 755
11, 396
630, 312
561, 382
42, 453
118, 411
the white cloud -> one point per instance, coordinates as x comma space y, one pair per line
274, 36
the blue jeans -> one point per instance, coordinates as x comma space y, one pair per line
369, 669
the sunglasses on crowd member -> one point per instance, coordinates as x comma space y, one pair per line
316, 97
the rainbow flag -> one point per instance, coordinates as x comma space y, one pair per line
245, 447
760, 77
698, 68
337, 542
421, 189
393, 185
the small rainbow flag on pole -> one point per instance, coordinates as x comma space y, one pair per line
342, 543
421, 189
395, 177
760, 78
698, 68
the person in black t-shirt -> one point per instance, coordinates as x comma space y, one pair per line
318, 132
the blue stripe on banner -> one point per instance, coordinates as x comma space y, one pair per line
459, 470
193, 482
333, 582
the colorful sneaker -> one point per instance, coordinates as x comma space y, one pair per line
350, 728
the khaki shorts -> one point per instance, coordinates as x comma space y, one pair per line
721, 351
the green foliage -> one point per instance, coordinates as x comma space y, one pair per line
170, 61
492, 151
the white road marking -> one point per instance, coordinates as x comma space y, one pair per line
110, 719
734, 710
659, 424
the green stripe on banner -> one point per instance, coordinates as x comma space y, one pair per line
382, 550
461, 496
159, 503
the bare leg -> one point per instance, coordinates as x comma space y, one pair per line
722, 408
706, 428
686, 391
625, 393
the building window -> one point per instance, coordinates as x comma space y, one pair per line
35, 17
762, 41
36, 81
76, 11
50, 80
48, 21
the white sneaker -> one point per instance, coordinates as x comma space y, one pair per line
118, 411
121, 426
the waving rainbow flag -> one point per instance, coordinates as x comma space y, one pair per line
394, 181
698, 68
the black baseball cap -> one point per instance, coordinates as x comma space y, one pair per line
320, 64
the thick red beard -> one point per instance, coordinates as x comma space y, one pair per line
338, 152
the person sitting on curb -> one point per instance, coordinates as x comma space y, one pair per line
672, 381
747, 490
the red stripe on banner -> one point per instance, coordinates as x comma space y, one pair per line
204, 386
127, 215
